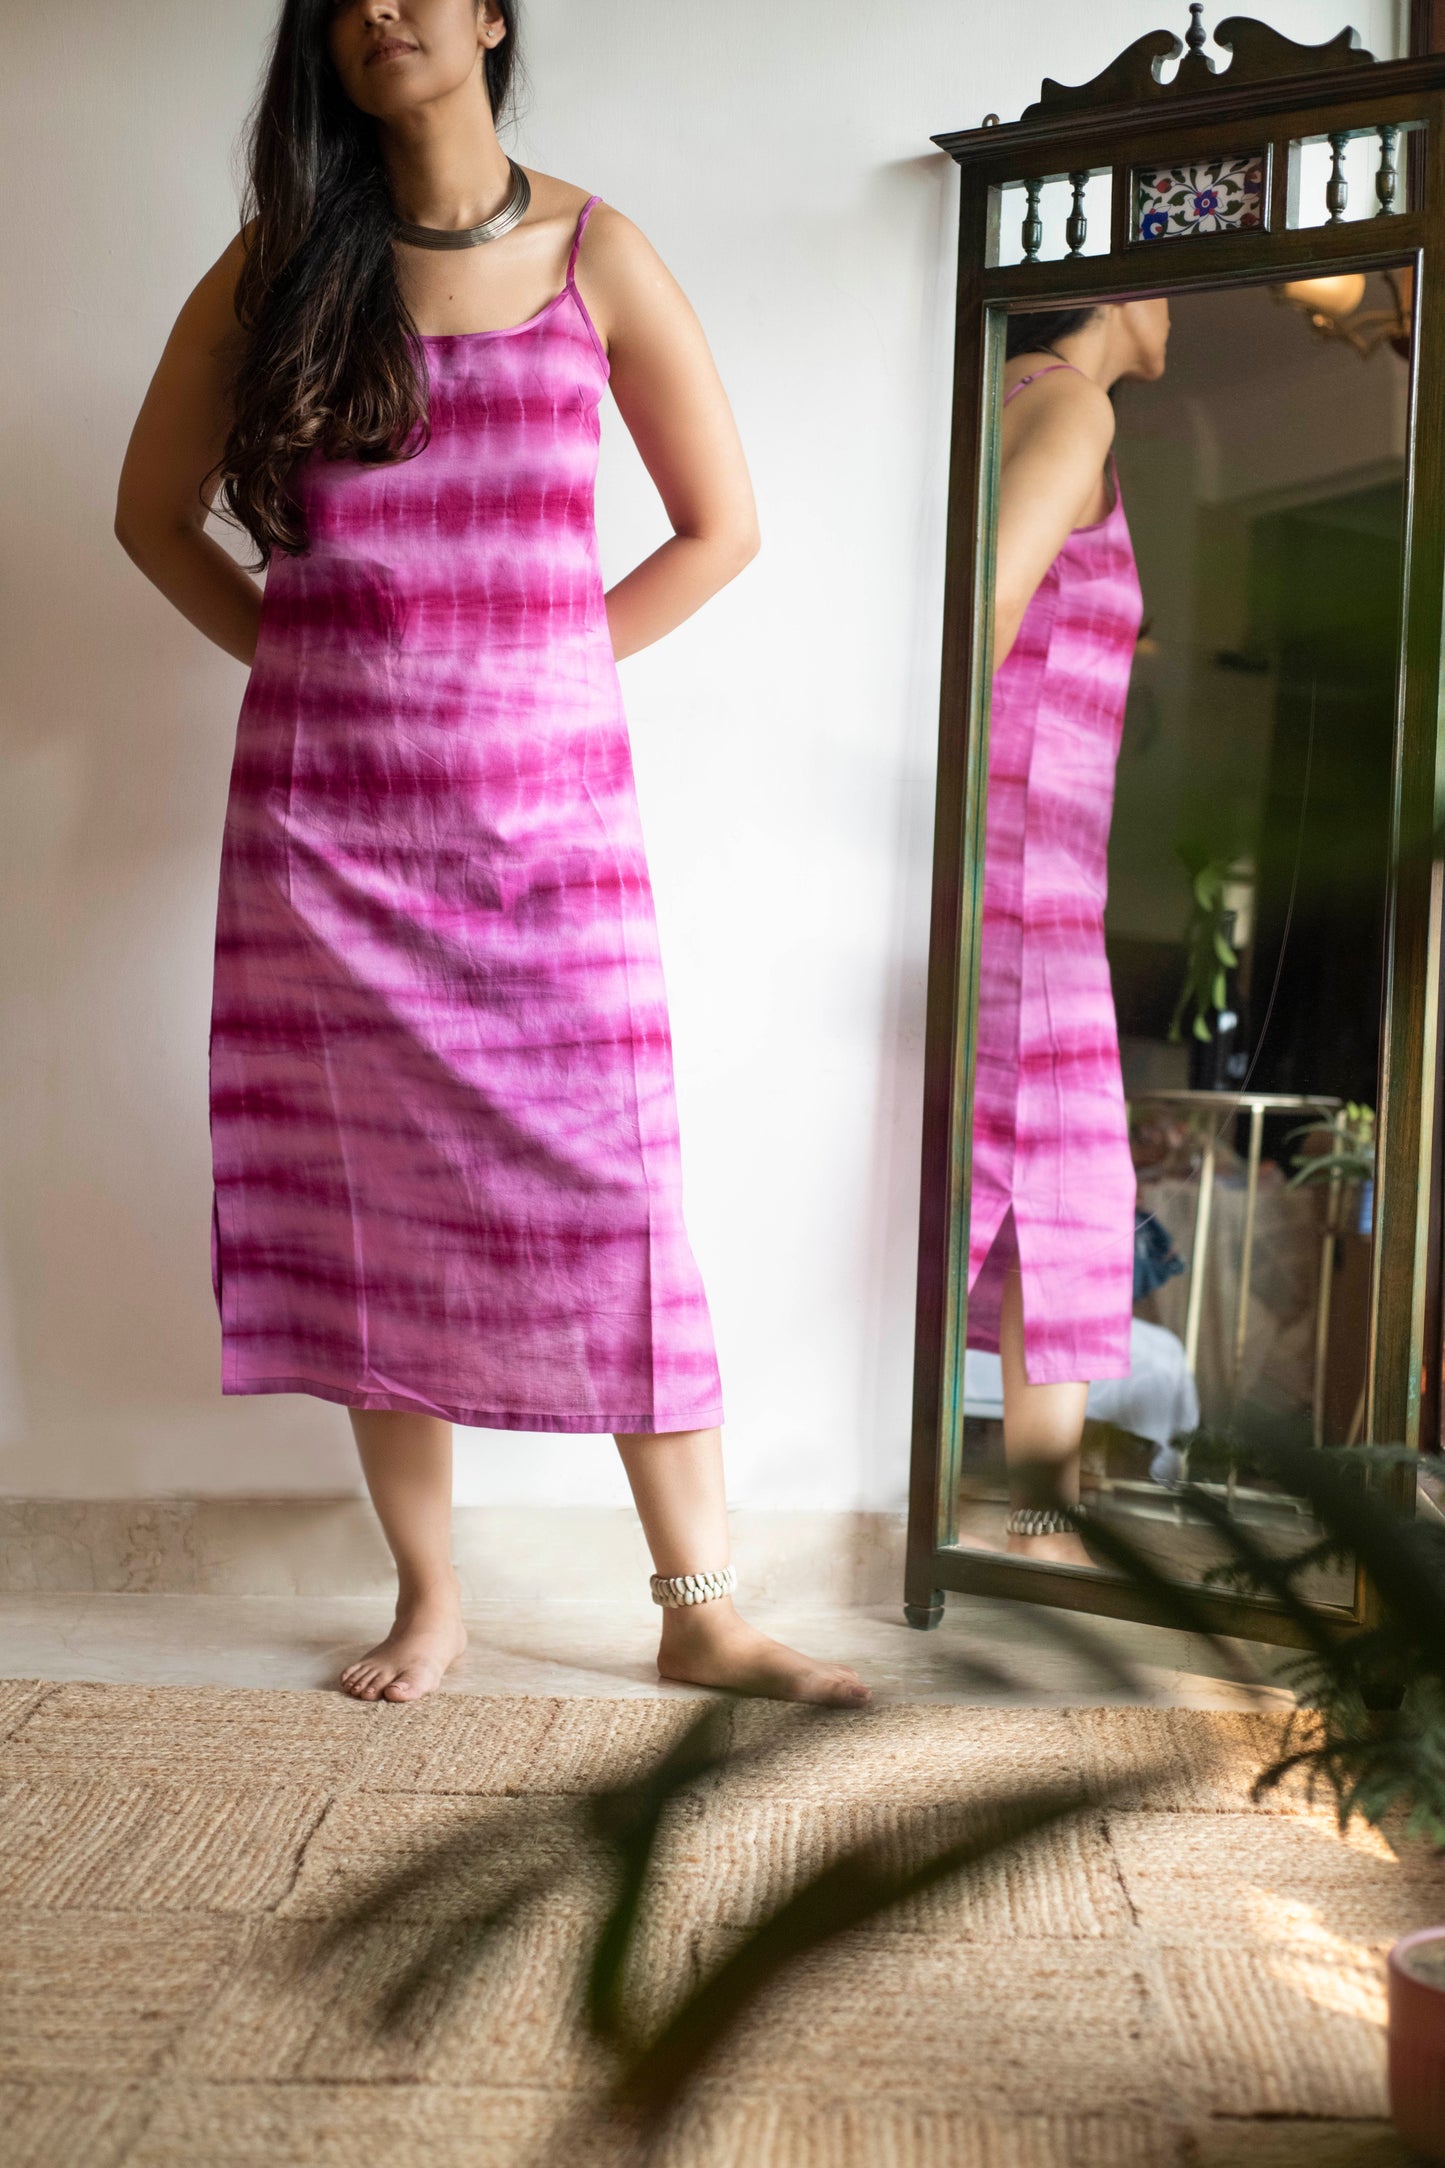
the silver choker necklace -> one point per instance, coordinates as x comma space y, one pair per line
490, 229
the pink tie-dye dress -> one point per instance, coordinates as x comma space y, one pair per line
1053, 1184
444, 1139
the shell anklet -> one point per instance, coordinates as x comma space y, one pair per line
673, 1591
1044, 1521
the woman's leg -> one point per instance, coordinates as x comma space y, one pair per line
677, 1483
1043, 1430
407, 1461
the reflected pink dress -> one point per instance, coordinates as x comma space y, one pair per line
1053, 1181
444, 1139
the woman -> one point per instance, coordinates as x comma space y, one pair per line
443, 1129
1051, 1235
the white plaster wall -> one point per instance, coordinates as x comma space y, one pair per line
779, 158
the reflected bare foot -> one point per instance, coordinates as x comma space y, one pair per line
1065, 1550
709, 1645
970, 1539
421, 1648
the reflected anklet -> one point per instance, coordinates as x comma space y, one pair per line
1044, 1521
673, 1591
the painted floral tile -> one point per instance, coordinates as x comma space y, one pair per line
1218, 195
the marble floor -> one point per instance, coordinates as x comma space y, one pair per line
985, 1652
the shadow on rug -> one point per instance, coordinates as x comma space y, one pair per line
1173, 1975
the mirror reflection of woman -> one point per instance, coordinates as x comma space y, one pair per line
1051, 1251
447, 1181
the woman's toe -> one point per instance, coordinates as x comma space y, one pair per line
849, 1689
409, 1684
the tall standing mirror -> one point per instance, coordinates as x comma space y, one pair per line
1179, 1156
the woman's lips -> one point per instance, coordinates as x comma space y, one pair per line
392, 49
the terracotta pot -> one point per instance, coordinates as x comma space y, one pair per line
1417, 2040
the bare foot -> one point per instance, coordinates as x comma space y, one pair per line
1050, 1550
969, 1539
425, 1642
709, 1645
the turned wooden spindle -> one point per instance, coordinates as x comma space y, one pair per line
1076, 228
1337, 188
1386, 174
1033, 232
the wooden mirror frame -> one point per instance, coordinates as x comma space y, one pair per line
1274, 95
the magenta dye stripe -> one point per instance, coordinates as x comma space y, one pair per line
1053, 1179
444, 1134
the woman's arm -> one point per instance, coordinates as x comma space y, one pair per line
1056, 437
670, 396
160, 512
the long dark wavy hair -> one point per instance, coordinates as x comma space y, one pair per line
326, 358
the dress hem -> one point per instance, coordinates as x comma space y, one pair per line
655, 1424
1058, 1370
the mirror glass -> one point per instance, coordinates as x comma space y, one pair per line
1181, 955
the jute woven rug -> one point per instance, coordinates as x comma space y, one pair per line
1182, 1977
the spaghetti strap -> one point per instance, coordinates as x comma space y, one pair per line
582, 217
575, 290
1032, 376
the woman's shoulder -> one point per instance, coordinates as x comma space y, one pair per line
209, 319
1054, 395
553, 197
612, 240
